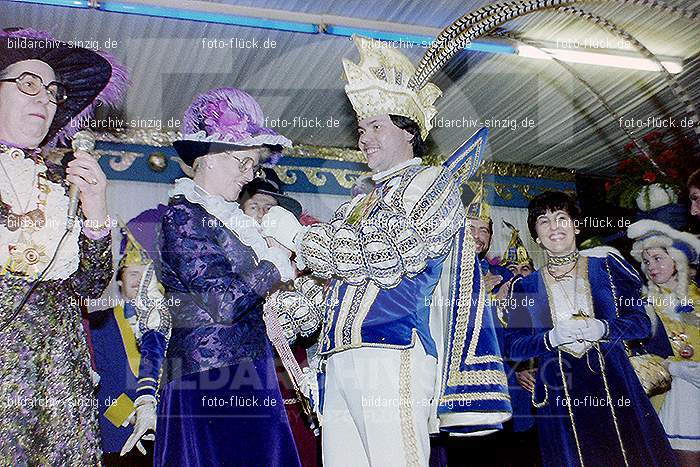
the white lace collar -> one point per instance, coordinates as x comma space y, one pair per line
248, 231
385, 174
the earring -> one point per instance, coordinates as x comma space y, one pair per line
209, 166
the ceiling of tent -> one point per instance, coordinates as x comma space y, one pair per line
301, 75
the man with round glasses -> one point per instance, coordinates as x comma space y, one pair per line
31, 84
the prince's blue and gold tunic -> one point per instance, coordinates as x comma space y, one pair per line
402, 267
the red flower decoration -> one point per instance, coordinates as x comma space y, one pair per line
673, 173
667, 157
625, 164
307, 219
629, 146
652, 136
649, 177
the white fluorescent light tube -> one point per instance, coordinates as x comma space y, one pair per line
68, 3
600, 59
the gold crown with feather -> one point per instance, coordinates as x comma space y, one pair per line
515, 253
379, 84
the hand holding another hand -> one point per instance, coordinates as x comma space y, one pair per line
566, 332
281, 225
272, 243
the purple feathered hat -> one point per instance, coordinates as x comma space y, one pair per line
91, 78
226, 117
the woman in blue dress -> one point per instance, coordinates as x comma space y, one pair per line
220, 403
573, 316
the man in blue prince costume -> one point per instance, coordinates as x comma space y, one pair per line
407, 341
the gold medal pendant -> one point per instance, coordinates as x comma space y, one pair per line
27, 257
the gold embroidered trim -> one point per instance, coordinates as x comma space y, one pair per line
368, 299
569, 409
345, 307
480, 377
601, 362
455, 376
408, 432
452, 375
131, 348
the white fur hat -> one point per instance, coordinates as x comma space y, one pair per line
683, 248
654, 234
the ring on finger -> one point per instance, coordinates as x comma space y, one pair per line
93, 181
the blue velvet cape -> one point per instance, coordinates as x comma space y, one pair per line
576, 426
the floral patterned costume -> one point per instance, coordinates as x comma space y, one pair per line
47, 404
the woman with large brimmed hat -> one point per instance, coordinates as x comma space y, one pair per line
217, 268
47, 89
667, 257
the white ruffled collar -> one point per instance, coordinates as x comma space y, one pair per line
386, 174
229, 213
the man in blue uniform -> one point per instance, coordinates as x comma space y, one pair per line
406, 307
114, 334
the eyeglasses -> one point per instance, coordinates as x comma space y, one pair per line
248, 163
31, 84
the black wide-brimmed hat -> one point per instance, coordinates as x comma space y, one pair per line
271, 185
91, 78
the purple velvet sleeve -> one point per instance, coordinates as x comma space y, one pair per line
95, 267
193, 253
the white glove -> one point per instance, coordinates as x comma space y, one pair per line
689, 371
145, 421
281, 225
593, 331
566, 332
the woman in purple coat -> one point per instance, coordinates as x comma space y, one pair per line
220, 403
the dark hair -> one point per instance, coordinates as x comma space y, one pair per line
490, 224
694, 179
550, 201
412, 127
